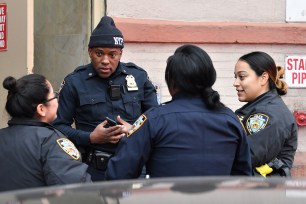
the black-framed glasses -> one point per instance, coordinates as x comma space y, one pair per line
56, 96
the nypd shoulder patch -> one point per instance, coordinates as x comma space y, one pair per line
68, 148
137, 124
256, 122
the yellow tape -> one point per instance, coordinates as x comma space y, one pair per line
264, 170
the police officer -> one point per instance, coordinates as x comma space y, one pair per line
104, 88
192, 135
271, 128
32, 152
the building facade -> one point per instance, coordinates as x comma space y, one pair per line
152, 31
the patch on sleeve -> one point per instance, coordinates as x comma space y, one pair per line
138, 123
240, 118
62, 85
256, 122
69, 148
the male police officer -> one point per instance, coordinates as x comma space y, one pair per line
104, 88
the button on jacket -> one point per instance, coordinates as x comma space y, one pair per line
30, 156
85, 100
275, 133
183, 138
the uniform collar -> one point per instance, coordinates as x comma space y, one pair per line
270, 94
121, 69
27, 121
181, 94
191, 98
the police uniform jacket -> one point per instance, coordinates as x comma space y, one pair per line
33, 154
85, 99
183, 138
271, 129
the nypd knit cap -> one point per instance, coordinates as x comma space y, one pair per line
106, 34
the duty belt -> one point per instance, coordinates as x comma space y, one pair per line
99, 159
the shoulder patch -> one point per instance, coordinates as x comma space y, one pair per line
68, 148
256, 122
62, 85
240, 118
137, 124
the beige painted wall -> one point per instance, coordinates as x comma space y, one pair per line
15, 61
61, 37
201, 10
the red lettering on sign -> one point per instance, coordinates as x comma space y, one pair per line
294, 77
298, 77
3, 28
302, 65
289, 67
295, 72
303, 77
295, 63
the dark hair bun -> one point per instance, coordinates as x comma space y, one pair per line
9, 83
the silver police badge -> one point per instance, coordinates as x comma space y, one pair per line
256, 122
68, 148
131, 83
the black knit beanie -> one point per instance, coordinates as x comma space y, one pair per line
106, 34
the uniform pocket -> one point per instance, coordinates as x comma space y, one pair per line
132, 105
91, 107
92, 99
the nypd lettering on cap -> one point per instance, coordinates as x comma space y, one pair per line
256, 122
137, 124
68, 148
118, 40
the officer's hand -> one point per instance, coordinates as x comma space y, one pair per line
126, 126
102, 135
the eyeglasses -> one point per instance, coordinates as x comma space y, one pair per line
56, 96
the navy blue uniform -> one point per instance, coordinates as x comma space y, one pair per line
85, 99
183, 138
34, 154
271, 129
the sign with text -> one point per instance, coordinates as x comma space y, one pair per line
295, 71
3, 27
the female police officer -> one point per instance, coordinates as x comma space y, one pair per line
192, 135
271, 128
32, 152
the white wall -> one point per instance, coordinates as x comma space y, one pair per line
200, 10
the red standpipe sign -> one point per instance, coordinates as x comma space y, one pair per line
3, 27
295, 72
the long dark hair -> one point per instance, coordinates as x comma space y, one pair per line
191, 70
25, 94
261, 62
